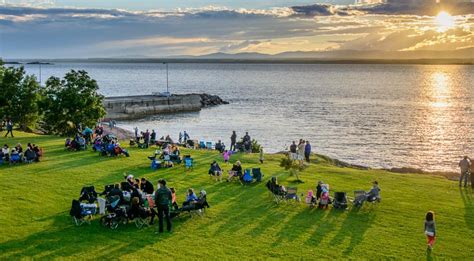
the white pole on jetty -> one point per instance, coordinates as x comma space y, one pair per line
167, 88
39, 73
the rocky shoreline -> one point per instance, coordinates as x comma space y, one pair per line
208, 100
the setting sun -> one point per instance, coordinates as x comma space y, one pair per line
444, 21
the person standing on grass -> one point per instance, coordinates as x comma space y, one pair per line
261, 155
233, 140
293, 148
465, 165
9, 128
163, 199
472, 175
307, 151
300, 152
430, 229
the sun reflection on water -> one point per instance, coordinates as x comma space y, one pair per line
441, 90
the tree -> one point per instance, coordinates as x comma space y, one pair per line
20, 97
71, 101
293, 166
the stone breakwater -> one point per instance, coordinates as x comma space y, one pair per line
139, 106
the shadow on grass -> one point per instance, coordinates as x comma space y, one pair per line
467, 198
354, 227
90, 241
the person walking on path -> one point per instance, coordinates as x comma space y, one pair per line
465, 165
307, 151
430, 229
163, 201
9, 128
233, 140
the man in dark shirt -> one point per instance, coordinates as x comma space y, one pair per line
162, 201
293, 149
247, 137
116, 191
146, 186
233, 140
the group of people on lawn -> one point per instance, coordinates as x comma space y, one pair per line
17, 154
141, 196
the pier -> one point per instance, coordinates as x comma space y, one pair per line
139, 106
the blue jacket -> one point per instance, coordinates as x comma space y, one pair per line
307, 149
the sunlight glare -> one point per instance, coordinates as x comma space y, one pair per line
444, 21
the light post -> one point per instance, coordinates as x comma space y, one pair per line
167, 87
39, 73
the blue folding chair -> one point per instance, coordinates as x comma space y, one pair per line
202, 145
247, 178
188, 163
155, 164
209, 145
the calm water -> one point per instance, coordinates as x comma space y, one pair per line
374, 115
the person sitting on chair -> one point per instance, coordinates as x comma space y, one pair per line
174, 204
146, 186
116, 191
374, 193
6, 152
190, 198
236, 171
30, 155
220, 146
215, 170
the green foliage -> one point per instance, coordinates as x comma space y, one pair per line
293, 166
20, 97
255, 146
71, 101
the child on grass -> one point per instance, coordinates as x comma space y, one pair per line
226, 156
430, 229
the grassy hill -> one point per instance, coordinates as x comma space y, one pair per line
242, 222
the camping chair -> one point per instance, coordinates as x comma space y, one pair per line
340, 200
292, 194
167, 160
257, 174
188, 163
89, 194
277, 193
15, 158
359, 198
82, 213
202, 145
247, 177
155, 164
209, 145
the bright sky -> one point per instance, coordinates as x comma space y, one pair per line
173, 4
158, 28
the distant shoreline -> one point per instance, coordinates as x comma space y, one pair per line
249, 61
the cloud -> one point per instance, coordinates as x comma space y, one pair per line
87, 32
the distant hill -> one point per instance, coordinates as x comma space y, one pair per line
463, 56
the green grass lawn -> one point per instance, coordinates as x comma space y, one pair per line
243, 222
